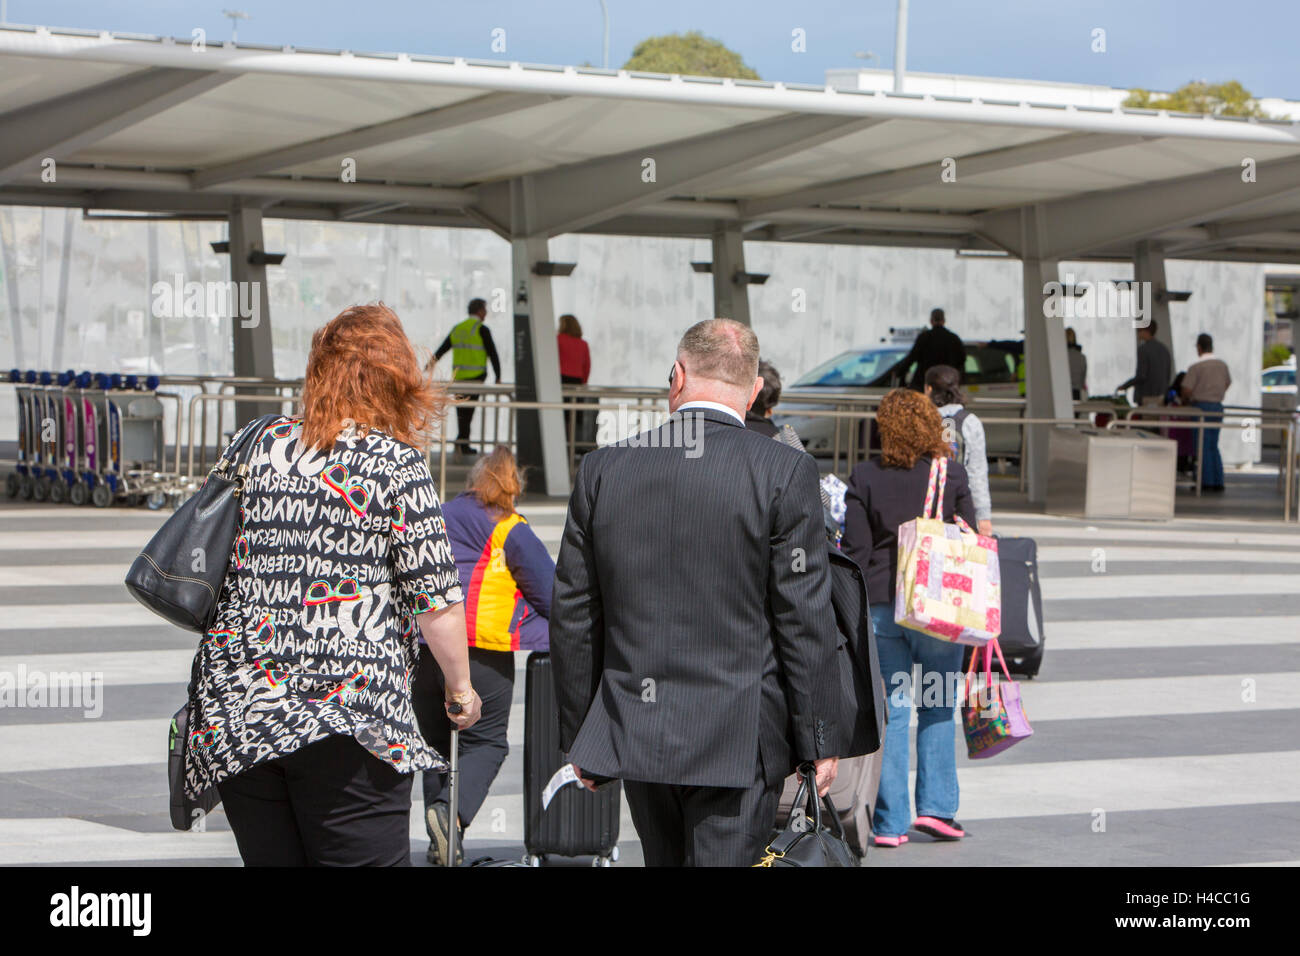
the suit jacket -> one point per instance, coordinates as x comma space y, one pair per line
862, 722
692, 635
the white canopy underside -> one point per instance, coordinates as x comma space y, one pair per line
152, 125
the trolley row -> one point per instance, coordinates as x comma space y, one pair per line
86, 437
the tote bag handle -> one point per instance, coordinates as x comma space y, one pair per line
934, 491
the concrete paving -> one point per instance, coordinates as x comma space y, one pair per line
1165, 717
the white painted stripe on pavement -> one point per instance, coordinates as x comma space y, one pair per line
1163, 561
1172, 632
29, 840
165, 666
75, 745
1108, 586
85, 515
61, 540
1268, 863
33, 617
1159, 696
64, 575
993, 791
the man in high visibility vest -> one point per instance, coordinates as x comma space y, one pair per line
471, 347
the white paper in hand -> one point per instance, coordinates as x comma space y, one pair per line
562, 777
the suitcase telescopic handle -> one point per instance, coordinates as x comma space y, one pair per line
453, 785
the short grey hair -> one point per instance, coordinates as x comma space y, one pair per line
721, 349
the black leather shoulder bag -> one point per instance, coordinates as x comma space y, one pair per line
806, 840
180, 572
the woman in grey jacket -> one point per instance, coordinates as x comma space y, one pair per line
966, 433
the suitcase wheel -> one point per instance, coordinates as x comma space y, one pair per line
602, 861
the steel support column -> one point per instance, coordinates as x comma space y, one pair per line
730, 288
250, 334
1047, 371
541, 442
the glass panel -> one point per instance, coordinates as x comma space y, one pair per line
853, 368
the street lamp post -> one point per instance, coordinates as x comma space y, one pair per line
604, 12
900, 47
235, 16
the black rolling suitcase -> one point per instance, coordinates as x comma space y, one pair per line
577, 822
1022, 606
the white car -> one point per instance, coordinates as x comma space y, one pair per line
1278, 393
1279, 380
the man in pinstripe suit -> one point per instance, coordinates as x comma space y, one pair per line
692, 634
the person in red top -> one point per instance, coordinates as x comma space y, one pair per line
575, 369
575, 357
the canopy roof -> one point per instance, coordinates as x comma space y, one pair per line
152, 124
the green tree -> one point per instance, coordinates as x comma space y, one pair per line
691, 53
1219, 99
1275, 355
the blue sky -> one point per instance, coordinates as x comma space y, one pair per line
1158, 44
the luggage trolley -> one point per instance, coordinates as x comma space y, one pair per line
136, 441
45, 433
70, 439
56, 438
93, 474
21, 482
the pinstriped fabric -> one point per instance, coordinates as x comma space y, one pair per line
691, 630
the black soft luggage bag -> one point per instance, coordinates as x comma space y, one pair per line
577, 822
1022, 605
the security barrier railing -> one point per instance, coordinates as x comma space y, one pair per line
498, 411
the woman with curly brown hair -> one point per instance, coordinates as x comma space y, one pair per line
881, 496
301, 692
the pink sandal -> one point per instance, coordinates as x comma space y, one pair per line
891, 841
939, 829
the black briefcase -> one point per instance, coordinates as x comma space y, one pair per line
810, 837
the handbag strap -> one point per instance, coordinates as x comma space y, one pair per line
989, 649
240, 449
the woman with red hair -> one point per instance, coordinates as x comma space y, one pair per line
301, 693
881, 496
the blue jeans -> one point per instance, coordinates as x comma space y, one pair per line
1211, 461
936, 734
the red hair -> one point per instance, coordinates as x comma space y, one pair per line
496, 480
362, 367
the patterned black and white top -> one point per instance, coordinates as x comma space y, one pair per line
315, 632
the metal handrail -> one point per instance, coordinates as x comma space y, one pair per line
497, 398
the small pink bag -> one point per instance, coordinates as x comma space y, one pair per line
948, 584
993, 716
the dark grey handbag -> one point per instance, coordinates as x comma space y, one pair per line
180, 572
